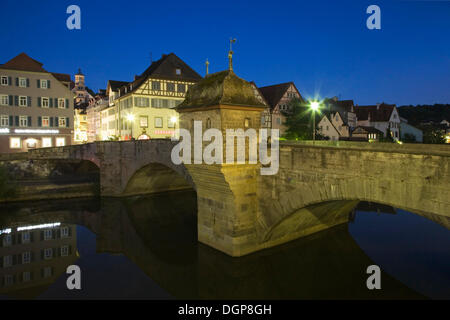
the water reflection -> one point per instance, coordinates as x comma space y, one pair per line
146, 247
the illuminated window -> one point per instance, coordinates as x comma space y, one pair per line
178, 71
46, 142
45, 121
15, 143
60, 142
61, 103
62, 122
246, 123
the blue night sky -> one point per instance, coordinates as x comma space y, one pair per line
321, 45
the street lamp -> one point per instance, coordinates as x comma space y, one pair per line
130, 117
314, 107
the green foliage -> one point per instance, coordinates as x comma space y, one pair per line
299, 122
417, 114
7, 188
433, 136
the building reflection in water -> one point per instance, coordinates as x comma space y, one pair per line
33, 256
158, 234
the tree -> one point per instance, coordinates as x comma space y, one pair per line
299, 121
434, 136
409, 137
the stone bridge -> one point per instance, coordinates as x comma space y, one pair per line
241, 211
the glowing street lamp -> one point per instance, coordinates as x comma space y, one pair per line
314, 105
130, 118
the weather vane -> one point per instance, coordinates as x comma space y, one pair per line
230, 54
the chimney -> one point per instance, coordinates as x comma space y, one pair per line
378, 105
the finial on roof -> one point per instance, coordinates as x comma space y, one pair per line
230, 54
207, 65
79, 72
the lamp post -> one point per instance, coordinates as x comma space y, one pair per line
314, 107
130, 117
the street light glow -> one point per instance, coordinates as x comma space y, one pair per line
314, 105
173, 119
130, 117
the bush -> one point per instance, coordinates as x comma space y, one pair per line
7, 188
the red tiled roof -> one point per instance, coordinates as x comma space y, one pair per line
381, 113
24, 63
273, 94
63, 77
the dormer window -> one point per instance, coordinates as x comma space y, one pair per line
178, 71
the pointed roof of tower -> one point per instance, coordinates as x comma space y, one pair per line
221, 88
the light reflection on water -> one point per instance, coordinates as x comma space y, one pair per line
146, 248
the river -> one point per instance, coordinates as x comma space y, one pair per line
145, 248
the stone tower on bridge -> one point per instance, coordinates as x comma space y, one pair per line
227, 206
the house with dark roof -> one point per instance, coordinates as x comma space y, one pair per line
345, 108
145, 106
363, 133
278, 97
36, 106
333, 126
383, 117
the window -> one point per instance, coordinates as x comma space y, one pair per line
141, 102
143, 121
26, 276
47, 272
4, 100
246, 123
4, 120
26, 237
158, 122
48, 253
8, 279
22, 101
60, 142
45, 121
62, 122
64, 232
26, 257
64, 251
7, 261
171, 87
23, 121
278, 120
61, 103
171, 122
45, 102
7, 240
44, 84
14, 143
156, 85
48, 234
4, 81
181, 88
23, 82
178, 71
208, 123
